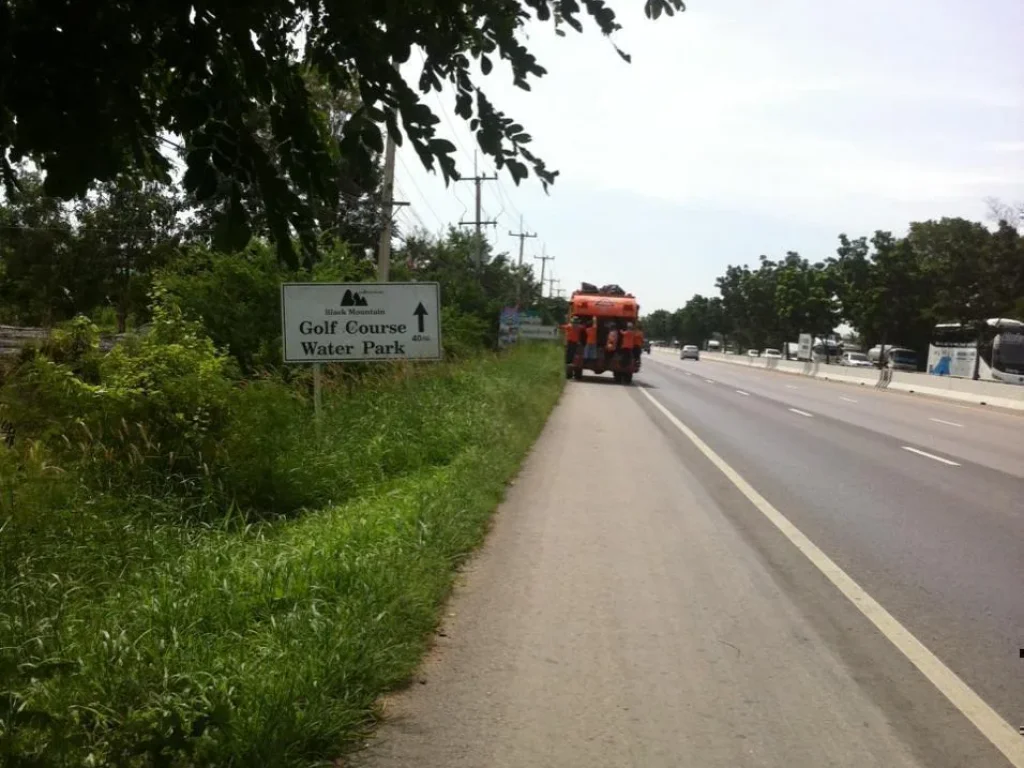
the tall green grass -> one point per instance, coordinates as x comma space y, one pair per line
254, 618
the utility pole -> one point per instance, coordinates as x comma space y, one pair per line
551, 287
384, 248
522, 235
543, 259
478, 222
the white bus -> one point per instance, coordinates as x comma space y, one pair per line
954, 351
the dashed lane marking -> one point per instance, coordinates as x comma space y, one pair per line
999, 732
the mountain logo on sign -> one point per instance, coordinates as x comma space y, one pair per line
351, 299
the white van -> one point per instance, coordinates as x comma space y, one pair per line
896, 358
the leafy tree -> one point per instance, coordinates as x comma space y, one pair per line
805, 299
1011, 213
693, 324
731, 287
851, 269
468, 290
953, 252
351, 214
41, 282
891, 290
127, 229
210, 74
1004, 262
658, 325
895, 294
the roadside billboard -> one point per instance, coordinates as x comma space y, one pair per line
805, 344
958, 360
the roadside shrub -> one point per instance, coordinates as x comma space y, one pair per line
155, 407
236, 297
128, 639
463, 334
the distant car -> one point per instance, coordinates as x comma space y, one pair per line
647, 347
773, 353
689, 352
753, 353
855, 360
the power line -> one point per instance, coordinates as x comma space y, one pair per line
419, 191
522, 235
543, 259
411, 210
478, 222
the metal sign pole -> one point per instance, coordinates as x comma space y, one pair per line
317, 408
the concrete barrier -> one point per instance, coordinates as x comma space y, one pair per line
964, 390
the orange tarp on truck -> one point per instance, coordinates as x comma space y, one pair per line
592, 305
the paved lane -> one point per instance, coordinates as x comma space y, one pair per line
978, 434
940, 546
632, 608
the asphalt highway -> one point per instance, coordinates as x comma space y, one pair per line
728, 567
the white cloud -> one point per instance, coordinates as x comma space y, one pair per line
806, 113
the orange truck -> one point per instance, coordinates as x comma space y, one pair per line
601, 333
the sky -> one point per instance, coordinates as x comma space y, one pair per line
741, 128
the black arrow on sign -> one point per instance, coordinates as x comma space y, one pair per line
420, 313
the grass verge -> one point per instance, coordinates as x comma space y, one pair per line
134, 639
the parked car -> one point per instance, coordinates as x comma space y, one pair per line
753, 353
774, 354
855, 360
689, 352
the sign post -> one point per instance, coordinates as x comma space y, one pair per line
317, 370
359, 322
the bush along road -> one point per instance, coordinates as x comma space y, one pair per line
190, 576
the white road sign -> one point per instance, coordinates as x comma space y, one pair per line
339, 322
528, 331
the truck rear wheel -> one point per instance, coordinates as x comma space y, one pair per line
627, 378
577, 373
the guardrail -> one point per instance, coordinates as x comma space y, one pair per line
965, 390
14, 337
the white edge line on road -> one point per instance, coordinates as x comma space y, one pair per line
709, 381
741, 392
943, 421
792, 386
847, 399
919, 452
1000, 733
802, 413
